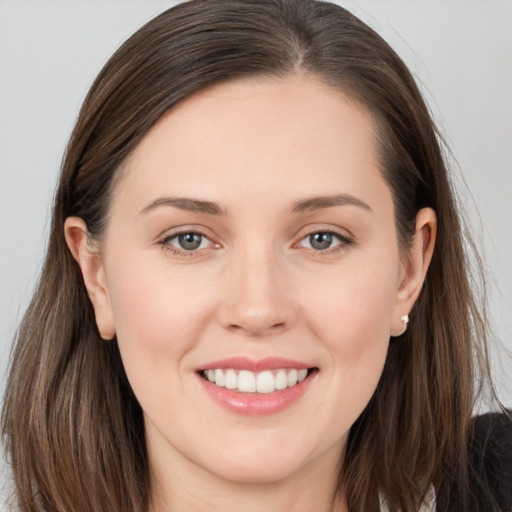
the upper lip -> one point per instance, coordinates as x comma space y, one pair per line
254, 365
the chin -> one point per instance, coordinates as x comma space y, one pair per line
260, 465
270, 472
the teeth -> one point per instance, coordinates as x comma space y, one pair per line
219, 378
265, 382
246, 381
292, 378
231, 380
281, 381
249, 382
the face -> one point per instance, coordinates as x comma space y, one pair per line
251, 272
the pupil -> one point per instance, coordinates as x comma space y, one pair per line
320, 240
190, 241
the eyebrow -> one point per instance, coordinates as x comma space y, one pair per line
317, 203
186, 203
211, 208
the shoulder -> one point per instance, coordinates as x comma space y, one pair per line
488, 484
490, 454
489, 432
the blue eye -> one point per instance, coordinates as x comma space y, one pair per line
323, 240
187, 242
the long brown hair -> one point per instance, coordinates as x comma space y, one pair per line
71, 424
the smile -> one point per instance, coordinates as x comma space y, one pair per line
245, 381
256, 388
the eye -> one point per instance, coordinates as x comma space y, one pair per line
186, 242
324, 240
189, 241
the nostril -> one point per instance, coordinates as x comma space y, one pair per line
254, 329
256, 315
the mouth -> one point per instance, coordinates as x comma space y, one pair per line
263, 382
260, 388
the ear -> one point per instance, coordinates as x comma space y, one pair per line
414, 269
89, 260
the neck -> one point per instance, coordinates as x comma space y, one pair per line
231, 497
181, 486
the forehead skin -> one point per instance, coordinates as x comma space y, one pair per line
192, 135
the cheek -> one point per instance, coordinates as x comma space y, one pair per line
157, 311
351, 318
354, 308
159, 317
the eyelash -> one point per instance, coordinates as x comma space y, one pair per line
344, 240
168, 247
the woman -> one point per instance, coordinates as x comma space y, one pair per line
255, 294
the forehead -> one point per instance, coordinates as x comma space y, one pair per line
276, 137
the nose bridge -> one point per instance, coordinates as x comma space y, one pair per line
255, 299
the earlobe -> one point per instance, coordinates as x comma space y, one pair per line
415, 267
91, 265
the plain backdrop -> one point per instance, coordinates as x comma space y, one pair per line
50, 51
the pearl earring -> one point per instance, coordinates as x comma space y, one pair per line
405, 320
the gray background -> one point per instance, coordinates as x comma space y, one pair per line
50, 51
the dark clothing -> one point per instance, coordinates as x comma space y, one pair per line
491, 459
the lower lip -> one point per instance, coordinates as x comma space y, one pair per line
257, 404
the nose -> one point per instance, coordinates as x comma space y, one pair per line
255, 299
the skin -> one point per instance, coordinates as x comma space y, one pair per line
255, 287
